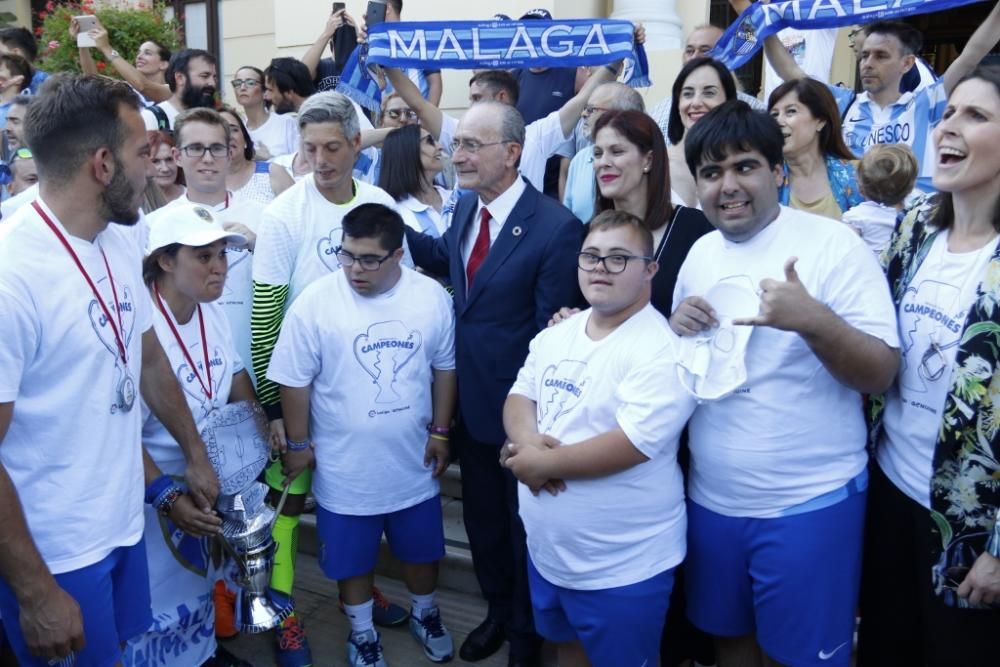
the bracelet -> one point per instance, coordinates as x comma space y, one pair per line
443, 430
156, 487
297, 445
165, 501
437, 436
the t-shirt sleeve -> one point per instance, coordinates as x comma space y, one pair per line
21, 335
525, 385
449, 126
444, 356
652, 406
546, 135
844, 97
274, 253
856, 290
295, 361
935, 97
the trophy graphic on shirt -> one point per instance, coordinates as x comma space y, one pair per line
383, 351
237, 444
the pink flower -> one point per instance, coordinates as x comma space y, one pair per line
53, 45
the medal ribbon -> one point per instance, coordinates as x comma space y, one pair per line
184, 349
119, 329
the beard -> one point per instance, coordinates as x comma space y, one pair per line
284, 105
119, 203
198, 97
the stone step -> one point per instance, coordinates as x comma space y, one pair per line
456, 572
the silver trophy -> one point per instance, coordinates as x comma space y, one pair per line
237, 444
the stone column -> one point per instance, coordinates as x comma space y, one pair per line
664, 28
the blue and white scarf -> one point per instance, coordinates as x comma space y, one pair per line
492, 45
747, 34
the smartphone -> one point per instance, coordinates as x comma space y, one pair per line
338, 6
375, 13
86, 23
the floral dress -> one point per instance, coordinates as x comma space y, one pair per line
843, 177
965, 481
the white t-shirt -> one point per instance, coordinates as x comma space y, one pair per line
931, 321
626, 527
237, 295
11, 204
224, 360
812, 51
368, 361
874, 222
792, 432
168, 108
279, 133
300, 230
542, 139
73, 455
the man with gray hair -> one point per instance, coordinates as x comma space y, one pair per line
510, 255
297, 243
581, 187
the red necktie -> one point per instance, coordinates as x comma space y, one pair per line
480, 248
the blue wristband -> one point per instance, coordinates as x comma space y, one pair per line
157, 487
297, 445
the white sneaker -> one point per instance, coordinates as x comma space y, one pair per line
364, 649
432, 635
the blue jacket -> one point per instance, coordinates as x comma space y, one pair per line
529, 273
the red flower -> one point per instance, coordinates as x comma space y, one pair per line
102, 66
42, 15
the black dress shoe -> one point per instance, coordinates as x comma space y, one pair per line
524, 661
485, 640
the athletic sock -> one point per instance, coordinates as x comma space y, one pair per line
286, 534
360, 616
421, 603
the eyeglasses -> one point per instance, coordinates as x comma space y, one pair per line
471, 145
395, 114
368, 263
22, 153
589, 109
588, 261
429, 140
199, 150
248, 83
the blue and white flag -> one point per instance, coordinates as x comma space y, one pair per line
492, 45
747, 34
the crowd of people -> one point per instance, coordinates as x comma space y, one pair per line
721, 378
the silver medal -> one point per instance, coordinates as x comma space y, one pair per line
126, 392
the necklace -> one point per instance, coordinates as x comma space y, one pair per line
126, 386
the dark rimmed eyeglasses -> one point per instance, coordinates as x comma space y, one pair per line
199, 150
248, 83
588, 261
368, 263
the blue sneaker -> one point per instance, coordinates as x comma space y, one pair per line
364, 649
432, 635
293, 648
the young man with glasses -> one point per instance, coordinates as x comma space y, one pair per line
373, 422
593, 423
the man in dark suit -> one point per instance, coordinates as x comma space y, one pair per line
510, 254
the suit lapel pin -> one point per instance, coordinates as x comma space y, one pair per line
516, 231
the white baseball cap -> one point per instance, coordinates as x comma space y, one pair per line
191, 225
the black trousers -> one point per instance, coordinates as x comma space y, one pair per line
497, 540
902, 621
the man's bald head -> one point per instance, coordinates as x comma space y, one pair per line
700, 41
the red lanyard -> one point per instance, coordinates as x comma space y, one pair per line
118, 330
180, 341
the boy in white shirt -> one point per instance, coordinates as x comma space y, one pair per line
365, 361
594, 418
886, 176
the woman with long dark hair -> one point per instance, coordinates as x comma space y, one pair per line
411, 159
931, 580
820, 171
701, 85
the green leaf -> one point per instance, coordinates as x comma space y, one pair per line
943, 527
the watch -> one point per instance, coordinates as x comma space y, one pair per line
114, 54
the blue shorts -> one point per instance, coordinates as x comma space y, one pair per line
113, 595
791, 580
349, 544
617, 626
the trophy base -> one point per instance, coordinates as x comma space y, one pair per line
261, 612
